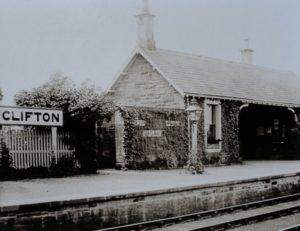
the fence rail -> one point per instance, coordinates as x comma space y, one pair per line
34, 148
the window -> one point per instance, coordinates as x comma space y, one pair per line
213, 124
211, 132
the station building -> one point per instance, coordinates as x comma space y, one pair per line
248, 112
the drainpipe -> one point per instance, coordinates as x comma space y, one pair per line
243, 106
295, 115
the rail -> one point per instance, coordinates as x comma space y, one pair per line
290, 228
211, 213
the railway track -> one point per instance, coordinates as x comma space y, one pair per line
292, 228
223, 218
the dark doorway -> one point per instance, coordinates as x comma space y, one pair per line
106, 148
268, 132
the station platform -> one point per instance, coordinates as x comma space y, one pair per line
116, 182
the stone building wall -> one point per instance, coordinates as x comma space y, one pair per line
154, 138
142, 86
229, 144
159, 138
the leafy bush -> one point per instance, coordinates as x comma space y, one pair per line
65, 166
83, 107
194, 164
5, 159
197, 168
171, 160
29, 173
6, 163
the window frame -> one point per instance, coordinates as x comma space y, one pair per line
218, 126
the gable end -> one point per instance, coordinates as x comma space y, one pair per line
141, 85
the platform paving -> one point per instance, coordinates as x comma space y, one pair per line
115, 182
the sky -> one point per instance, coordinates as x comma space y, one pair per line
90, 40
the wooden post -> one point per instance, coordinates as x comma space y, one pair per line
54, 142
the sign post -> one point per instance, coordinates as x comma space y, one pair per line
29, 116
54, 142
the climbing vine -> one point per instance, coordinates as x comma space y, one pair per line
230, 132
201, 134
168, 149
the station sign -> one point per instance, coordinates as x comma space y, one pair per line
30, 116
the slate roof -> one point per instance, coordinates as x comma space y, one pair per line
208, 77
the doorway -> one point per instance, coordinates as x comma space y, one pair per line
268, 132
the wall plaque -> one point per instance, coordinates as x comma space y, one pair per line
152, 133
172, 123
140, 123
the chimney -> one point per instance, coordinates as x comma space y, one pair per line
246, 53
145, 28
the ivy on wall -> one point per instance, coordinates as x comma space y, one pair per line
201, 134
168, 150
230, 132
230, 136
171, 148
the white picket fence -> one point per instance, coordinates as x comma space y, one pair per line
34, 148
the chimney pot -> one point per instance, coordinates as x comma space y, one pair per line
246, 53
145, 28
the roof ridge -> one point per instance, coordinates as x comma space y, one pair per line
251, 66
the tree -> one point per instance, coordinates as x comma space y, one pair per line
82, 107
